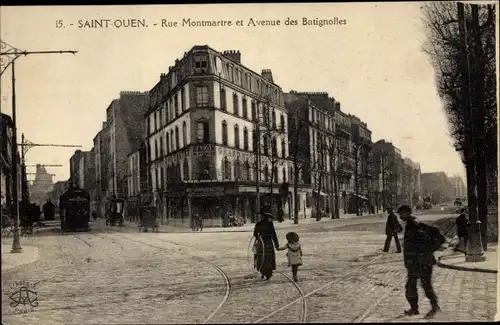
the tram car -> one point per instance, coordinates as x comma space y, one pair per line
74, 209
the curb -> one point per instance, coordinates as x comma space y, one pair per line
460, 268
464, 268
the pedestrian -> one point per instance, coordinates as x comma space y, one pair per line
420, 243
266, 242
199, 221
294, 253
194, 222
392, 228
462, 231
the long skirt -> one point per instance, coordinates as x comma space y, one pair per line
265, 257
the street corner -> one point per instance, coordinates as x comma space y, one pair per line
458, 261
29, 254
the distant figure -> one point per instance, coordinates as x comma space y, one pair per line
462, 231
420, 243
198, 222
266, 241
294, 253
392, 228
49, 210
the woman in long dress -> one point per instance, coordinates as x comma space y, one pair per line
266, 242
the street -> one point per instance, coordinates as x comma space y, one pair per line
117, 275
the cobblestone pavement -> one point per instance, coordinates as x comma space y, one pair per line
116, 275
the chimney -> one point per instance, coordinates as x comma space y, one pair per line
267, 74
233, 55
337, 106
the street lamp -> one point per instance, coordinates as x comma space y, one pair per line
8, 55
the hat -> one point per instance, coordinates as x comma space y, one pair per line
266, 214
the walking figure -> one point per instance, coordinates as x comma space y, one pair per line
420, 243
266, 241
199, 222
294, 253
462, 231
392, 228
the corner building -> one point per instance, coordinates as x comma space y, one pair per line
207, 118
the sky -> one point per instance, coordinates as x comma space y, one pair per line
373, 65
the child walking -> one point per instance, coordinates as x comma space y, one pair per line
294, 253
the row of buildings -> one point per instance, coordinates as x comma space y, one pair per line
213, 136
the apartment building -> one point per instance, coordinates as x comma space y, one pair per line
212, 133
388, 169
121, 134
412, 183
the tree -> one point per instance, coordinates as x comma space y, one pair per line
461, 46
298, 124
266, 135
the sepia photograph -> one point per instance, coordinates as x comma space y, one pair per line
249, 163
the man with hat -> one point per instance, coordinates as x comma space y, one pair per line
392, 228
420, 243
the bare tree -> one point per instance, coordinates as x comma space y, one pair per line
268, 131
461, 46
298, 124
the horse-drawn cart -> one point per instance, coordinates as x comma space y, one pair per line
148, 219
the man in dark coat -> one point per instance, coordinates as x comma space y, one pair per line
49, 210
392, 228
267, 242
462, 230
420, 243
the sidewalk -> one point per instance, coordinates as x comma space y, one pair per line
457, 261
248, 227
11, 260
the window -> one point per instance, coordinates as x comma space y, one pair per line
184, 133
283, 149
204, 168
161, 146
177, 140
224, 133
167, 142
148, 126
201, 96
275, 174
156, 149
247, 170
236, 136
254, 141
223, 103
185, 170
244, 107
274, 119
283, 172
168, 111
160, 111
153, 124
226, 169
176, 103
161, 183
200, 62
254, 111
172, 146
245, 138
158, 181
265, 115
183, 104
274, 147
266, 146
202, 132
237, 170
282, 123
266, 174
236, 108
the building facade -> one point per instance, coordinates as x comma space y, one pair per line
7, 157
121, 134
437, 187
412, 183
210, 119
388, 167
458, 186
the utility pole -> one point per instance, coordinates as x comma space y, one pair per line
9, 55
474, 246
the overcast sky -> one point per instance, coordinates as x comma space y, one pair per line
373, 65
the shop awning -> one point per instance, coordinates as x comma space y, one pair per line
320, 193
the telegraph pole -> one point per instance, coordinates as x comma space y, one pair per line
11, 54
474, 245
